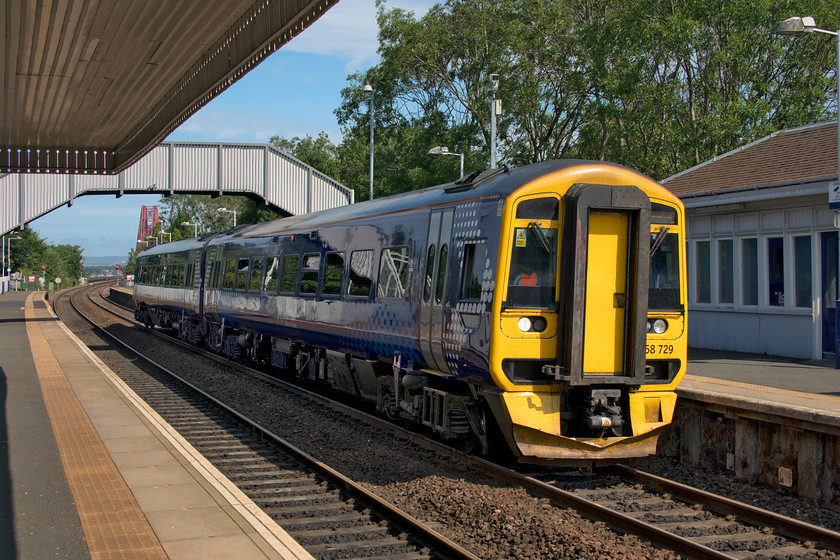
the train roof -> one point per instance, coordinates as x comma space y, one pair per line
491, 183
177, 246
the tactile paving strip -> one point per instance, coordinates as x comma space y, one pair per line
113, 523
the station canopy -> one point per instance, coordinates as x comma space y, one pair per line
91, 86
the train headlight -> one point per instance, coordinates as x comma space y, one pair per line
660, 326
532, 324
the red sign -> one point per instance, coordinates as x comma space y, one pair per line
31, 279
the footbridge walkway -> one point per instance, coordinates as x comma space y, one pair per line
260, 171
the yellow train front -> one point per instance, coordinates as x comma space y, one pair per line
589, 337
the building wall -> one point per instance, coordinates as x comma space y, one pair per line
756, 275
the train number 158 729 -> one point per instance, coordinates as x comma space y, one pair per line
660, 349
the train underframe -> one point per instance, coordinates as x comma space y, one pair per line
477, 419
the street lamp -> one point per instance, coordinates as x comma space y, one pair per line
444, 151
801, 26
229, 212
162, 233
143, 241
369, 88
195, 227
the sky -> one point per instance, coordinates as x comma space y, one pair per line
291, 93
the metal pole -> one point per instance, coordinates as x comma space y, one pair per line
492, 130
370, 111
462, 164
837, 270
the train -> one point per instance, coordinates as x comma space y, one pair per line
538, 311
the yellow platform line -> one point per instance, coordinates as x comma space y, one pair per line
113, 523
773, 390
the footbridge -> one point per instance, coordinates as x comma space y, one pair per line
260, 171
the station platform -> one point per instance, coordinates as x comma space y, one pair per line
87, 470
808, 390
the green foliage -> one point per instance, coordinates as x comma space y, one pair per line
30, 252
656, 85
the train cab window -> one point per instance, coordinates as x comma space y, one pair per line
309, 274
290, 270
333, 274
442, 266
664, 277
533, 267
393, 272
662, 214
361, 273
230, 275
538, 209
475, 257
256, 275
270, 282
242, 270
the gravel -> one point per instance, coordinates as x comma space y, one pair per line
487, 516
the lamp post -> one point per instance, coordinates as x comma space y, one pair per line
162, 233
494, 110
801, 26
229, 212
195, 227
444, 151
369, 88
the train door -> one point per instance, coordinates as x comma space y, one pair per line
604, 275
433, 297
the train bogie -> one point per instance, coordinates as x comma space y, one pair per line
546, 302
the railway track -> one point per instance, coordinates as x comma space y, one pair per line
691, 522
330, 515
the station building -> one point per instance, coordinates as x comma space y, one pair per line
762, 245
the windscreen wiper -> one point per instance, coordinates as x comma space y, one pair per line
657, 242
541, 236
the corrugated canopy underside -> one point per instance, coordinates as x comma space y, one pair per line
92, 85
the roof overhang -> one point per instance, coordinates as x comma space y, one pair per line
811, 187
91, 87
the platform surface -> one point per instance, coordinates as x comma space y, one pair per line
807, 390
87, 470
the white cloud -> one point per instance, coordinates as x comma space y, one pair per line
348, 31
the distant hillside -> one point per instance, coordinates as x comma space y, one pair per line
103, 261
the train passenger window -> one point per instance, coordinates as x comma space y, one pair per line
309, 274
242, 269
475, 263
230, 275
533, 267
256, 275
270, 283
290, 269
430, 270
333, 274
393, 272
361, 273
538, 209
442, 266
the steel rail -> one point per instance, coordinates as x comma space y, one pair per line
788, 526
418, 531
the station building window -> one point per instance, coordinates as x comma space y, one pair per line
703, 277
749, 271
776, 271
725, 271
802, 270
